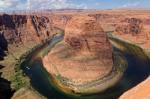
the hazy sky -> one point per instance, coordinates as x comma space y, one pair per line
81, 4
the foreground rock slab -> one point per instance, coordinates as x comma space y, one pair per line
141, 91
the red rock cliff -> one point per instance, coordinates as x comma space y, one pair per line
85, 35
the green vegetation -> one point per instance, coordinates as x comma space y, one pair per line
119, 62
19, 80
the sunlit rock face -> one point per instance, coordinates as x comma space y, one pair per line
132, 26
84, 55
141, 91
86, 36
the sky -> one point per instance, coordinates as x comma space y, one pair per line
6, 5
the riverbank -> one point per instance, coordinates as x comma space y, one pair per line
11, 71
20, 81
141, 90
93, 86
37, 53
129, 47
59, 82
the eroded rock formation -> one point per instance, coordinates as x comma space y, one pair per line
19, 34
85, 35
22, 28
85, 49
132, 26
17, 28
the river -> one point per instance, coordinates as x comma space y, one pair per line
137, 71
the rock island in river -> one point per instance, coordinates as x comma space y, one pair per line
83, 61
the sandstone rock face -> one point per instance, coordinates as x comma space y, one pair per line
141, 91
19, 34
9, 25
85, 35
85, 49
132, 26
135, 30
24, 31
60, 20
25, 28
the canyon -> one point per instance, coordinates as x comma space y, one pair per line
85, 50
85, 35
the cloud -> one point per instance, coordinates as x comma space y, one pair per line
9, 4
38, 4
54, 4
97, 3
129, 5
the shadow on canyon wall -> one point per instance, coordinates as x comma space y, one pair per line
5, 89
3, 45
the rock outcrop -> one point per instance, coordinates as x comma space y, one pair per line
141, 91
23, 28
132, 26
85, 49
85, 35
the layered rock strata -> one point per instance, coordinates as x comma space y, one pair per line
18, 35
84, 55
